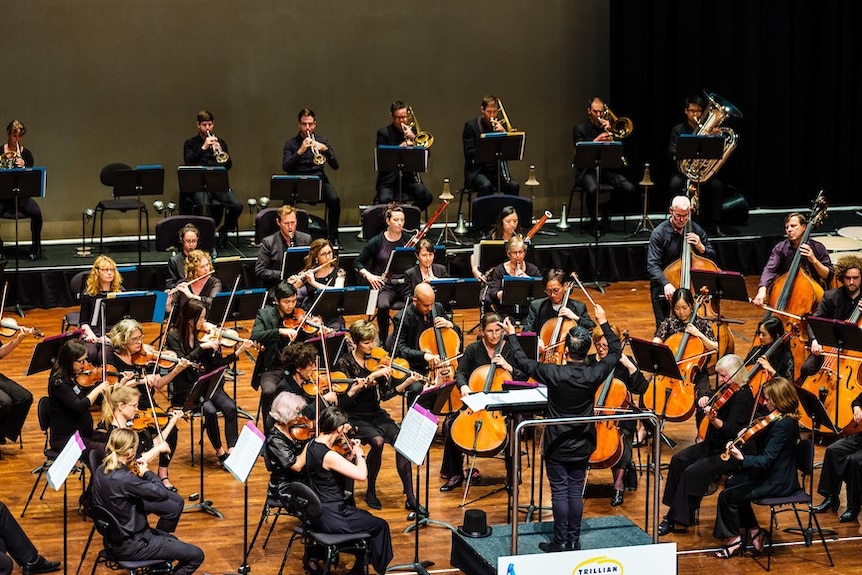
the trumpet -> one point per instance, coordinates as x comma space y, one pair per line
319, 159
220, 155
422, 139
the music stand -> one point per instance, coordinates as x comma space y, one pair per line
335, 344
294, 260
137, 182
520, 291
843, 336
598, 155
202, 391
499, 147
46, 351
401, 259
227, 269
337, 302
721, 285
457, 293
205, 180
696, 147
149, 305
21, 183
296, 188
400, 159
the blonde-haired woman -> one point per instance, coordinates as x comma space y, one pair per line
102, 280
198, 265
124, 486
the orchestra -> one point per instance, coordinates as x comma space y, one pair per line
318, 411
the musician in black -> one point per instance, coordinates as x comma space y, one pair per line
372, 262
693, 469
15, 400
482, 352
201, 150
189, 236
15, 544
516, 266
284, 448
482, 177
301, 378
544, 308
843, 463
839, 303
20, 157
780, 363
567, 448
269, 267
425, 269
400, 133
665, 247
628, 373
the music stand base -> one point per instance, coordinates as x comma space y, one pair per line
447, 236
481, 497
420, 567
83, 252
645, 226
204, 506
426, 521
529, 510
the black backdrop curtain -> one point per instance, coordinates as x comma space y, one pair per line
792, 68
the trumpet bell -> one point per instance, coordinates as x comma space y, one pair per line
319, 159
222, 157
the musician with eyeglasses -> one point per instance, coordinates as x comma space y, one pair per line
517, 266
189, 236
307, 153
710, 192
400, 133
15, 155
551, 306
205, 149
482, 177
597, 128
665, 247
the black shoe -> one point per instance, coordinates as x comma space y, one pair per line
452, 483
666, 526
617, 499
552, 546
373, 502
849, 516
573, 545
35, 254
828, 504
40, 565
222, 239
418, 508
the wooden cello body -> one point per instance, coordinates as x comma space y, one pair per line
554, 332
444, 343
482, 433
612, 396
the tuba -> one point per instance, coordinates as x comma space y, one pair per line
621, 127
422, 139
717, 112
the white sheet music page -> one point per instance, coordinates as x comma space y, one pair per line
244, 455
60, 468
417, 432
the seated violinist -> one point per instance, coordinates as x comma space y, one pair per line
187, 339
683, 319
516, 251
770, 330
425, 269
301, 378
129, 359
372, 423
550, 307
469, 378
693, 469
284, 449
635, 382
269, 330
424, 315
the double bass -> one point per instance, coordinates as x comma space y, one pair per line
482, 433
795, 291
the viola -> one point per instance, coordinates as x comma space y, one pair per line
144, 420
321, 383
167, 359
751, 431
716, 402
482, 433
378, 357
344, 444
95, 375
9, 327
227, 338
612, 397
301, 428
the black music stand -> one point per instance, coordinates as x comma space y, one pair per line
202, 391
46, 351
400, 159
335, 345
598, 155
227, 269
401, 259
457, 293
720, 285
337, 302
205, 180
491, 254
143, 306
843, 336
14, 184
696, 147
296, 188
520, 291
137, 182
294, 260
499, 147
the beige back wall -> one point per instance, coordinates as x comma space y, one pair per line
106, 81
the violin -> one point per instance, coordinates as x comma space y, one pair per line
716, 402
167, 359
378, 356
301, 428
344, 444
91, 375
9, 327
144, 420
227, 338
310, 324
484, 432
751, 431
321, 383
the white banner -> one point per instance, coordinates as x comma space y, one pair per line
634, 560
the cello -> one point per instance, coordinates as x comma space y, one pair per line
444, 343
674, 399
553, 333
482, 433
611, 397
795, 291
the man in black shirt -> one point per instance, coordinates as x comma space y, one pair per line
400, 133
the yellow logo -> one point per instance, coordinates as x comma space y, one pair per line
601, 565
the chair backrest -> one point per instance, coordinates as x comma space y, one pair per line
168, 229
106, 524
374, 219
76, 284
304, 503
486, 209
805, 456
265, 225
43, 412
106, 176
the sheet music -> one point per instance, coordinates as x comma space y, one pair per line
481, 400
417, 432
371, 306
60, 468
244, 455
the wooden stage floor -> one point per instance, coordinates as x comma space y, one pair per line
222, 539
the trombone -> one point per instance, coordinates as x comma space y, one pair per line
421, 139
220, 155
620, 127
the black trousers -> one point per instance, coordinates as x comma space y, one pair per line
156, 544
228, 206
691, 472
413, 191
29, 208
843, 462
487, 185
15, 402
13, 541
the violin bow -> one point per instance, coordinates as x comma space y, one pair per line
3, 302
583, 289
227, 308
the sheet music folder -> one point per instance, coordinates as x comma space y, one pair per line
695, 147
294, 188
505, 146
28, 182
